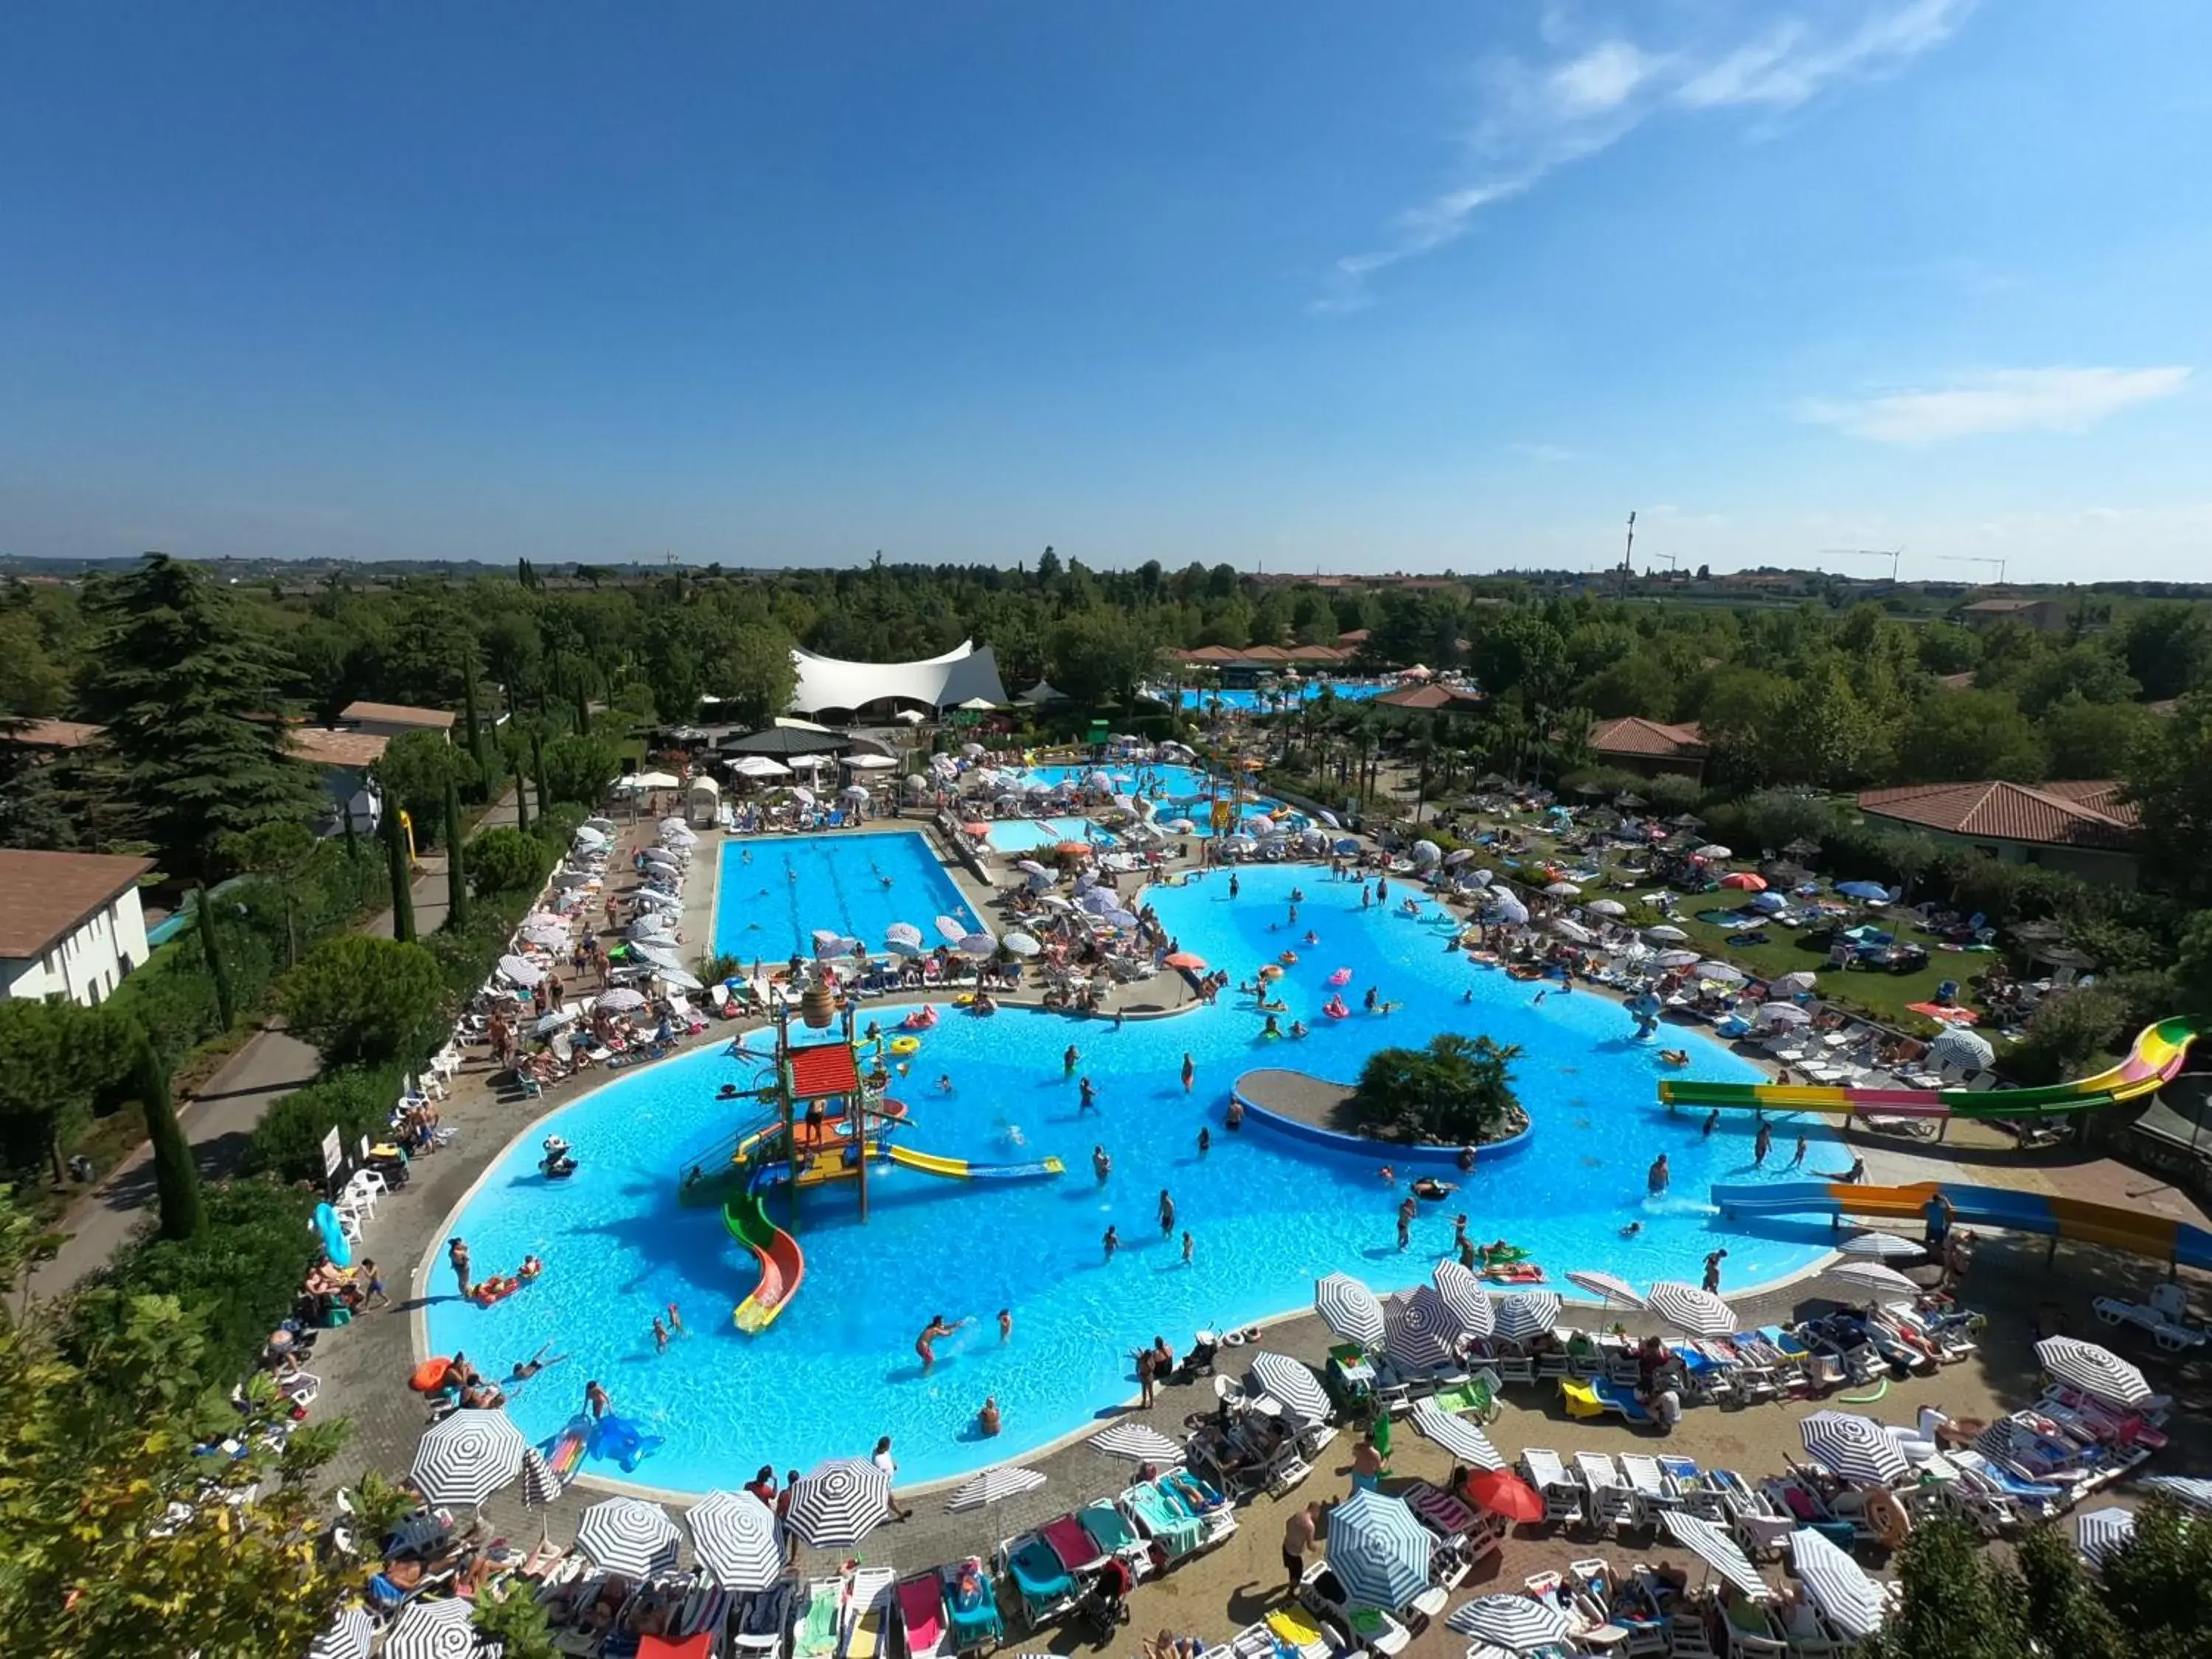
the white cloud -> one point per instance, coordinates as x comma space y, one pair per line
1588, 90
2011, 400
1601, 78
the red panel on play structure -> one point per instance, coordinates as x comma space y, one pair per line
827, 1068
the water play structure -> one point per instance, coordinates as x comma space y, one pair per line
2154, 1058
2156, 1237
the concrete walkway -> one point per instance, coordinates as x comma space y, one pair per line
220, 1117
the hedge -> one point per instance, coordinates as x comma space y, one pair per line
288, 1142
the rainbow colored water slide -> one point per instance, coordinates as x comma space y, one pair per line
2159, 1239
2154, 1057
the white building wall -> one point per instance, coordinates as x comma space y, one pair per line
87, 965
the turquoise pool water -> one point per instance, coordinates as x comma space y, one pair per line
1022, 835
1252, 702
775, 891
1180, 790
1267, 1215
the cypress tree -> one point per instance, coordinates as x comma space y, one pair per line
537, 767
475, 732
457, 875
522, 801
176, 1179
226, 1005
402, 887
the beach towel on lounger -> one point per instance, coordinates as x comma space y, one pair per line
817, 1630
1073, 1545
1165, 1520
1038, 1574
1109, 1528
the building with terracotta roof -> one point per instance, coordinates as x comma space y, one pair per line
1649, 747
69, 924
389, 720
2083, 828
55, 735
1450, 698
2044, 615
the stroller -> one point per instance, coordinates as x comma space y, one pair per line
1104, 1607
1199, 1362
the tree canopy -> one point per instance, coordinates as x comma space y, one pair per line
363, 1001
1454, 1092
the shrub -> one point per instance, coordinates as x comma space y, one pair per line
363, 1000
506, 860
1457, 1091
2066, 1035
239, 1275
355, 1101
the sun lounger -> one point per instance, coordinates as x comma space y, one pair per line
1562, 1496
1477, 1397
1613, 1502
1654, 1490
1373, 1628
972, 1607
867, 1612
1109, 1530
920, 1615
818, 1633
2164, 1314
1073, 1545
1202, 1503
1290, 1627
1161, 1519
1045, 1587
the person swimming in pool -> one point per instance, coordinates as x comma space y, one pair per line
1298, 1028
1433, 1190
925, 1344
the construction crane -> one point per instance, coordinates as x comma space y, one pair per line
1961, 558
1893, 554
1674, 560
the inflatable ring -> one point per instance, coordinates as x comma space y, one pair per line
905, 1045
1233, 1340
1251, 1333
1289, 958
1886, 1517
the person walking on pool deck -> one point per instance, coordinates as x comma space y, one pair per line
1189, 1073
1299, 1531
882, 1459
457, 1252
1167, 1214
1713, 1272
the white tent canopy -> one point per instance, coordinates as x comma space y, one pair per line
958, 677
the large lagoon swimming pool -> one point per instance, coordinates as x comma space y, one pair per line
1179, 791
1267, 1215
774, 892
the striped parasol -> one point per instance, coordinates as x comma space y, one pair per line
1712, 1545
1008, 1480
1517, 1623
1139, 1443
1379, 1549
838, 1503
1292, 1382
348, 1636
1690, 1308
735, 1535
432, 1630
1852, 1448
2100, 1532
1421, 1332
468, 1455
1465, 1442
628, 1537
1883, 1247
1612, 1291
1463, 1294
1530, 1314
1349, 1309
2096, 1371
1872, 1276
2194, 1490
540, 1485
1846, 1597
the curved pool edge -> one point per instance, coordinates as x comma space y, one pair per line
1336, 1140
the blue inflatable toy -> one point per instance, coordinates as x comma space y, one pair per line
335, 1244
619, 1438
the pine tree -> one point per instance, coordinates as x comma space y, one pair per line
457, 875
188, 692
403, 880
176, 1178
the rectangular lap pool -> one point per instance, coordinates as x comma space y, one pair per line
774, 891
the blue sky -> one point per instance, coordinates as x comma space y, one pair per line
1283, 283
